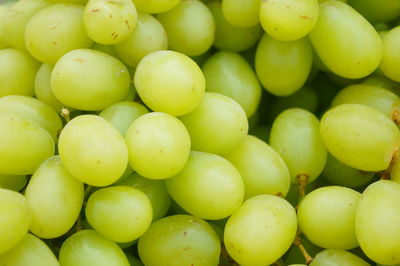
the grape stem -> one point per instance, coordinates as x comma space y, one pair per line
65, 113
385, 175
302, 180
297, 243
396, 116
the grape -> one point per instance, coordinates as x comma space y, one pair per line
93, 151
179, 240
217, 125
109, 22
208, 187
15, 219
283, 67
261, 230
155, 6
190, 27
3, 38
360, 137
374, 11
55, 30
391, 55
262, 169
337, 257
376, 227
54, 198
30, 251
158, 145
120, 213
169, 82
228, 37
148, 36
86, 247
229, 74
383, 82
13, 182
346, 43
89, 80
295, 136
17, 72
241, 14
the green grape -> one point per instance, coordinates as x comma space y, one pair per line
87, 247
155, 191
24, 145
33, 110
295, 136
229, 74
377, 11
30, 251
288, 20
119, 213
83, 2
109, 22
122, 114
345, 41
148, 36
89, 80
158, 145
377, 231
343, 175
155, 6
17, 72
217, 125
208, 187
262, 169
16, 18
261, 230
169, 82
383, 82
180, 240
15, 219
241, 14
3, 38
323, 1
54, 198
13, 182
108, 49
294, 254
337, 257
190, 27
93, 151
229, 37
283, 67
360, 136
391, 55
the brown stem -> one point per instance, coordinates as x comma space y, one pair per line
396, 116
385, 174
65, 113
302, 180
297, 243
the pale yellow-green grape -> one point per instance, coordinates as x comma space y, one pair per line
337, 257
16, 18
383, 82
326, 216
283, 67
190, 27
122, 114
13, 182
229, 74
295, 136
261, 230
89, 80
217, 125
343, 175
377, 230
155, 191
17, 72
119, 213
294, 255
323, 1
169, 82
378, 98
360, 136
87, 247
69, 1
242, 14
288, 20
180, 240
208, 187
148, 36
33, 110
158, 145
15, 219
377, 11
24, 145
345, 41
54, 31
262, 169
3, 37
229, 37
54, 198
391, 55
93, 151
108, 49
155, 6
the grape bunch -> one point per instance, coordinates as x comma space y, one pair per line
199, 132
